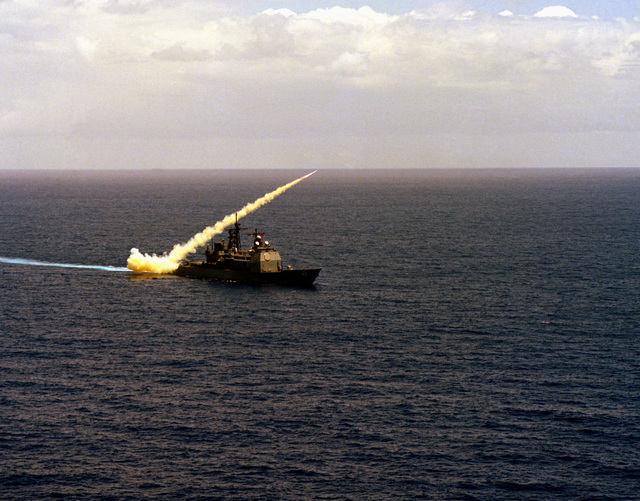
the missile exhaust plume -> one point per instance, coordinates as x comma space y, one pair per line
168, 263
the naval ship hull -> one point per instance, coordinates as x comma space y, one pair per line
206, 271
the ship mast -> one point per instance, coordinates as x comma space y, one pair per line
234, 236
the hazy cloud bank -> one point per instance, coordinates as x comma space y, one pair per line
197, 84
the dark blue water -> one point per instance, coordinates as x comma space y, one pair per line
472, 335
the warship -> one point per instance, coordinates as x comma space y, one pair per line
229, 262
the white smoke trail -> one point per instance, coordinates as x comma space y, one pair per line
167, 263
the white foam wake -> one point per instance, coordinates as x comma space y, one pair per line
31, 262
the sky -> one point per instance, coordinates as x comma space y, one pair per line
315, 84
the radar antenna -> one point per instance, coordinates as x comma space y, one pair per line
234, 235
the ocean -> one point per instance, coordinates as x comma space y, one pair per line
473, 335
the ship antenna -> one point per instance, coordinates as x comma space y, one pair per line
234, 235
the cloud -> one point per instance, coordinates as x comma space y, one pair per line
127, 6
363, 17
351, 64
197, 70
86, 47
178, 52
555, 11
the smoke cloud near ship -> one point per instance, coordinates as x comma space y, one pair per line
167, 263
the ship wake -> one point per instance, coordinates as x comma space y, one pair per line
167, 263
31, 262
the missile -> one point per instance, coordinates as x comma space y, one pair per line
139, 262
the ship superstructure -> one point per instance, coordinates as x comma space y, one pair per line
227, 261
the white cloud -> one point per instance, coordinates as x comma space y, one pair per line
127, 6
363, 17
351, 64
86, 47
555, 11
178, 52
181, 71
279, 12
